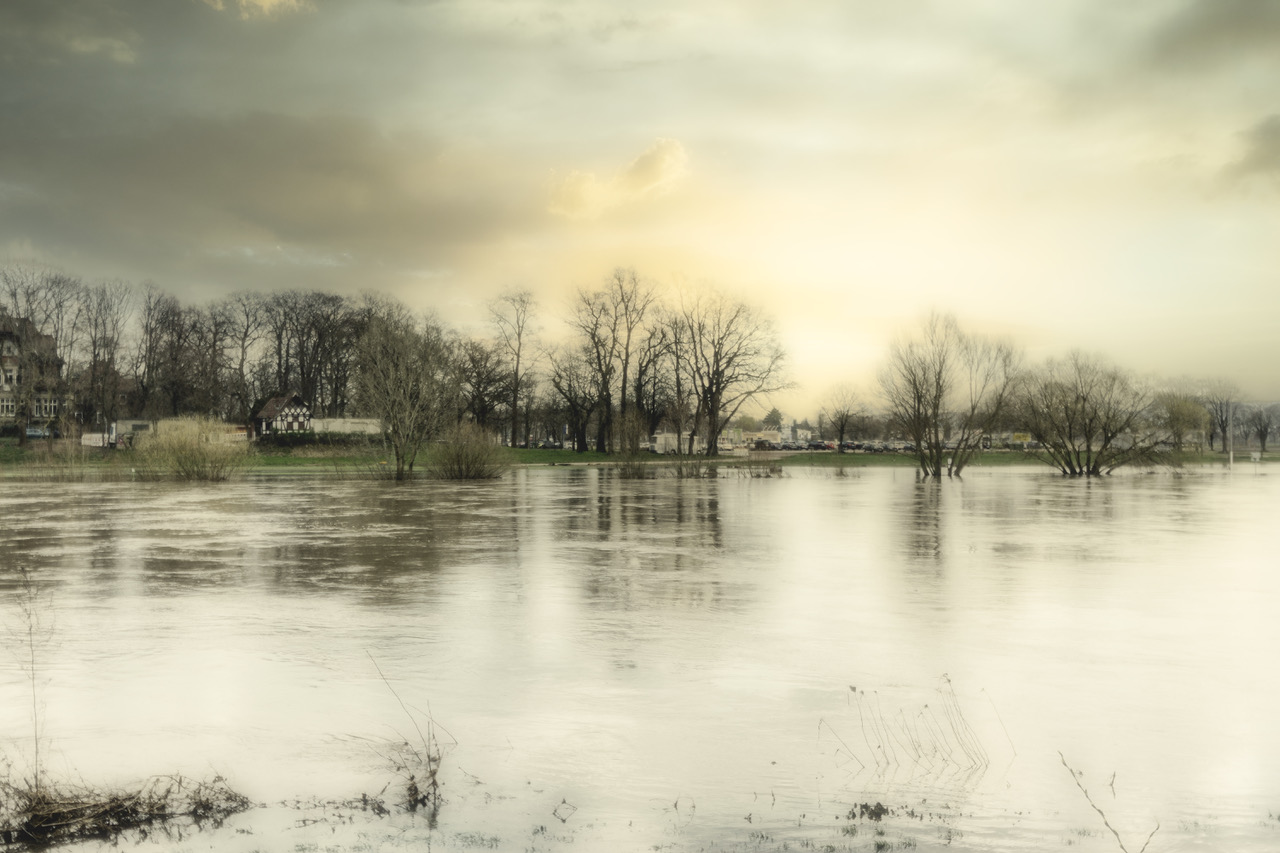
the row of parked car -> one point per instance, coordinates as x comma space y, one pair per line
817, 445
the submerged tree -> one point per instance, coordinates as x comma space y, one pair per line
945, 390
1089, 416
408, 378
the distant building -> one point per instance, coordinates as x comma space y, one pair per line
282, 415
674, 442
365, 426
29, 372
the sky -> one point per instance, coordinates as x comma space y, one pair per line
1081, 174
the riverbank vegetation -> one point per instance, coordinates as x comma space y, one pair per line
634, 368
369, 459
190, 449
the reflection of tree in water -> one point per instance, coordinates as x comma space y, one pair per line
395, 545
923, 521
700, 510
650, 541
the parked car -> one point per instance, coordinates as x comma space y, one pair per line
37, 432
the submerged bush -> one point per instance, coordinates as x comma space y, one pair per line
190, 449
634, 466
468, 453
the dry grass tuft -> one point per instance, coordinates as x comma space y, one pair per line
39, 814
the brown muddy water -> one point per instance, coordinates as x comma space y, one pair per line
734, 664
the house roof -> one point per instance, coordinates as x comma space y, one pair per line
273, 407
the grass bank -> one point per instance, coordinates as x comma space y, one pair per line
66, 460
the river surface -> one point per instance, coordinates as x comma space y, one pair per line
609, 664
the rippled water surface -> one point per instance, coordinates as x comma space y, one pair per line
682, 665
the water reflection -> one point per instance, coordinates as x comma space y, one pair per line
630, 645
923, 520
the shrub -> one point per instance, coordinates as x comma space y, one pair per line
468, 453
190, 449
634, 466
287, 440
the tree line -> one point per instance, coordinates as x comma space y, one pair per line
79, 356
82, 355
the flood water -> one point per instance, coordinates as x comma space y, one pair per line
610, 664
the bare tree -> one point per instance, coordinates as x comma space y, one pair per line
597, 321
155, 312
246, 330
512, 313
484, 380
653, 380
1259, 420
576, 385
732, 355
407, 378
1220, 397
683, 410
205, 361
106, 309
841, 413
945, 390
611, 321
1182, 417
1089, 416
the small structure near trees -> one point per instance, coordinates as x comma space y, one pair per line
286, 414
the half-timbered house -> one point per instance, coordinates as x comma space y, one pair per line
287, 414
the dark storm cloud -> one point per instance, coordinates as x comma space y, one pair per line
34, 32
1262, 150
1208, 32
323, 188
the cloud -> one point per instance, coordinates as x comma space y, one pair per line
225, 196
262, 8
1218, 31
33, 32
584, 195
1262, 150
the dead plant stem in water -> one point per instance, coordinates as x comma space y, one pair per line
35, 634
1075, 777
425, 791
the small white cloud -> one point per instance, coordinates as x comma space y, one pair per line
261, 8
584, 195
117, 50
